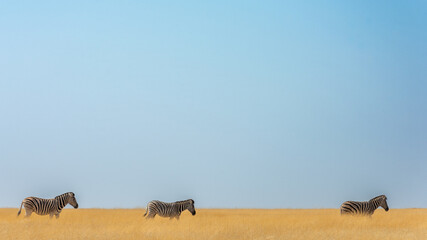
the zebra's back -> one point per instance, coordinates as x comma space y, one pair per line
163, 209
40, 206
354, 207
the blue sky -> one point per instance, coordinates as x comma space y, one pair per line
268, 104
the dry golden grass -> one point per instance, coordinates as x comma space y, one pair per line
216, 224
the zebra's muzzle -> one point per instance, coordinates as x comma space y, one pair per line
77, 206
193, 213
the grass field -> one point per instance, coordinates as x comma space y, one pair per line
216, 224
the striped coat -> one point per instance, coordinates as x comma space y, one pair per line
49, 207
171, 210
364, 208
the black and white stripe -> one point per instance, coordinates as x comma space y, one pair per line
171, 210
364, 208
52, 206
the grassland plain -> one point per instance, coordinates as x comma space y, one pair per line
216, 224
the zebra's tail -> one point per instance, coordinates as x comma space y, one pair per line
19, 212
146, 211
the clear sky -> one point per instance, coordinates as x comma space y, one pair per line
265, 104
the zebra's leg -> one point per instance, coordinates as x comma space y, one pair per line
177, 217
57, 215
28, 212
150, 216
51, 215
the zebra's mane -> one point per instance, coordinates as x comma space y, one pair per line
185, 201
378, 197
64, 194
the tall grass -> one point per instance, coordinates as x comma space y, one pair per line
216, 224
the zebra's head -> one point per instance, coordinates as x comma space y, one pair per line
72, 200
191, 206
383, 203
380, 201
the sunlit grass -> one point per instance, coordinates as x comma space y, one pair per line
216, 224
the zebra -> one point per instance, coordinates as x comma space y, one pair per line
364, 208
52, 206
171, 210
